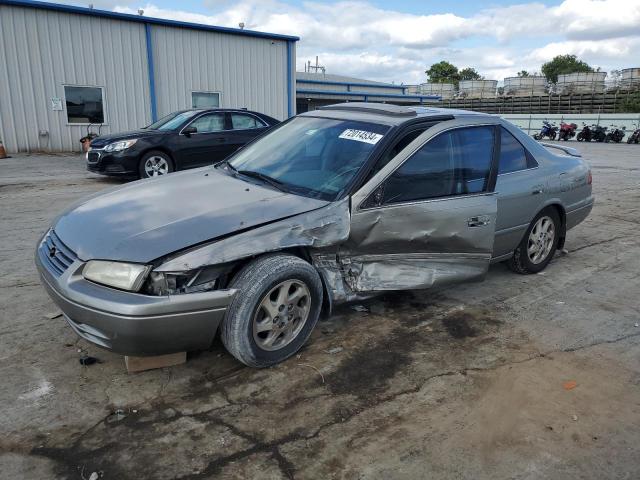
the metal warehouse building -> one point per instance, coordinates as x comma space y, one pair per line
315, 90
64, 68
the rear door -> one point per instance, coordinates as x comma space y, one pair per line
244, 127
521, 192
428, 217
207, 145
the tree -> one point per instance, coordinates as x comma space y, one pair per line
523, 73
562, 64
443, 72
470, 74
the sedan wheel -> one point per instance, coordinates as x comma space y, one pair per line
539, 243
541, 240
155, 164
281, 315
274, 310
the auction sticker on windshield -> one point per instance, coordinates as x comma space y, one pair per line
361, 136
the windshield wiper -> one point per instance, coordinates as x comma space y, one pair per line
265, 178
226, 162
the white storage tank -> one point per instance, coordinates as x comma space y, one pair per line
581, 82
630, 78
478, 88
444, 90
525, 86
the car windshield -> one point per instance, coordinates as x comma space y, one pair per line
315, 157
171, 121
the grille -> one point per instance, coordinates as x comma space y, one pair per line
93, 156
55, 255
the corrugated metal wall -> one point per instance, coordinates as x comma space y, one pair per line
247, 71
41, 50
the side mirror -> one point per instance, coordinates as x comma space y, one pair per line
189, 131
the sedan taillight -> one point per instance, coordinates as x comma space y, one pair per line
589, 178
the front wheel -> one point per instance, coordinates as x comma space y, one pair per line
274, 311
155, 164
552, 135
538, 245
537, 136
580, 137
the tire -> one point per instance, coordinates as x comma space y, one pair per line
521, 262
154, 164
580, 137
607, 139
260, 283
629, 140
552, 135
537, 136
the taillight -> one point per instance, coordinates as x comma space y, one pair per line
589, 178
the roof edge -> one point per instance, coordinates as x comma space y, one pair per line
142, 19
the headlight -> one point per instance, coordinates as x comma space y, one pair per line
118, 146
126, 276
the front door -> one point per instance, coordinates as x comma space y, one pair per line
207, 145
428, 217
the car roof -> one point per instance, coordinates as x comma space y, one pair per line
388, 114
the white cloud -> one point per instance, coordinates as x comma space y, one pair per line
356, 38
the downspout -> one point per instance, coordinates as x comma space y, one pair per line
151, 72
291, 90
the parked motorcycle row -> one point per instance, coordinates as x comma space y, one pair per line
597, 133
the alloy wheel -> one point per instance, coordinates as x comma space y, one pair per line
281, 315
155, 166
541, 240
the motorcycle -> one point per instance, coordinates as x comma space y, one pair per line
586, 134
567, 131
634, 137
599, 133
615, 135
548, 130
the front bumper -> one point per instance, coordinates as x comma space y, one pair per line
123, 163
130, 323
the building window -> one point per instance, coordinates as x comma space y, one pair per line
205, 100
84, 104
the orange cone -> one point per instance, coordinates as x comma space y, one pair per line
3, 152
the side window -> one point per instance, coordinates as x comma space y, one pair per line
240, 121
456, 162
513, 156
211, 122
400, 145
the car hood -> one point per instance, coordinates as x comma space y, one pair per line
104, 140
145, 220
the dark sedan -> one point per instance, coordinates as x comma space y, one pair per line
181, 140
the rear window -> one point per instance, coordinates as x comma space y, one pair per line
513, 156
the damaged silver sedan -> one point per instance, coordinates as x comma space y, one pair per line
330, 206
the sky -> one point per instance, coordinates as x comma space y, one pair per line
396, 41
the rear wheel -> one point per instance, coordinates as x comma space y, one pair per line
538, 245
155, 164
274, 311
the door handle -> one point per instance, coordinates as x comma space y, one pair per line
537, 190
479, 221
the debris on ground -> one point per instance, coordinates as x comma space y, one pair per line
311, 366
570, 385
637, 324
574, 418
116, 416
52, 315
86, 360
94, 476
564, 251
360, 308
333, 351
